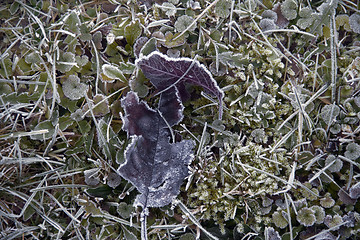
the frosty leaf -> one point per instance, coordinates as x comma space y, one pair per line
156, 167
222, 8
354, 21
113, 72
183, 23
169, 8
66, 62
44, 125
232, 59
323, 17
165, 72
72, 22
33, 57
133, 31
342, 20
267, 24
172, 40
289, 9
140, 42
73, 88
329, 113
306, 19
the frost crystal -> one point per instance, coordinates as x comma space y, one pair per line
73, 89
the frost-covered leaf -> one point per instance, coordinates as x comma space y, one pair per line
355, 191
184, 22
66, 62
222, 8
342, 20
169, 8
113, 72
33, 57
138, 85
154, 165
306, 18
92, 176
267, 24
329, 113
289, 9
352, 151
322, 18
354, 21
149, 47
72, 22
232, 59
73, 88
165, 72
133, 31
44, 125
172, 40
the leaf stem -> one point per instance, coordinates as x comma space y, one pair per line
143, 217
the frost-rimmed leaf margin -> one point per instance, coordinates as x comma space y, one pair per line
160, 77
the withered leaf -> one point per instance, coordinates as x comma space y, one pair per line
154, 165
165, 72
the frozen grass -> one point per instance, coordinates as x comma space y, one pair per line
292, 99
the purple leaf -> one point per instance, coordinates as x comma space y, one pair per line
165, 72
154, 165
